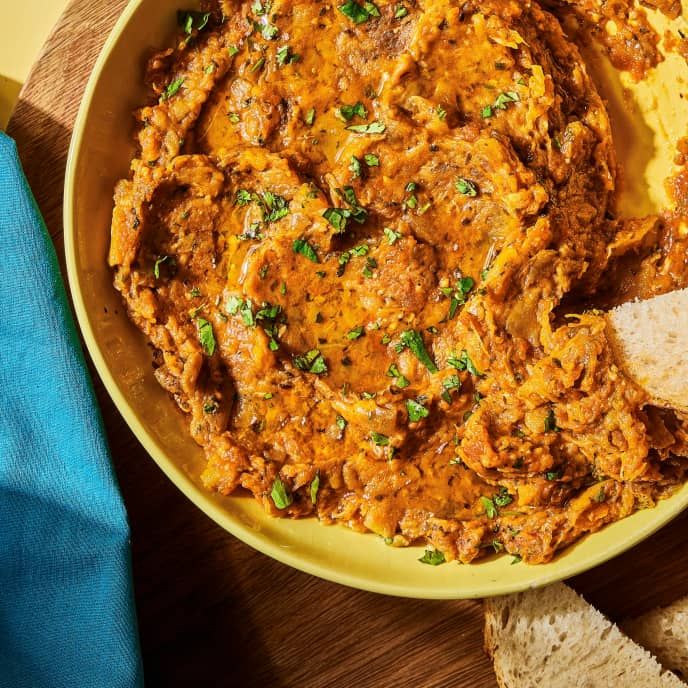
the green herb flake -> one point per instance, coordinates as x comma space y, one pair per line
466, 187
371, 128
553, 475
257, 66
441, 112
285, 56
210, 407
315, 486
232, 50
357, 332
355, 167
413, 340
171, 89
359, 13
341, 422
280, 497
502, 498
156, 267
464, 362
400, 12
337, 218
486, 112
433, 557
399, 380
516, 559
392, 236
489, 507
192, 19
302, 247
206, 336
416, 410
312, 361
348, 112
497, 546
310, 117
378, 439
371, 160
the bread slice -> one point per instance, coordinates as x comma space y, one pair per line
664, 631
651, 338
552, 638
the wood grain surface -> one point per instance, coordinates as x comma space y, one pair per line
212, 611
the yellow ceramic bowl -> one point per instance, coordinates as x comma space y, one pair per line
100, 152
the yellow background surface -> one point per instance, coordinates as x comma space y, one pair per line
24, 27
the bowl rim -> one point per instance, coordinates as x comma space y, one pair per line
542, 574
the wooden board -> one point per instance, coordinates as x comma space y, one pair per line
212, 611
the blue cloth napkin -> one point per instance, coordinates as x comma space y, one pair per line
67, 614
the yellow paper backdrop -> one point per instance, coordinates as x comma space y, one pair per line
25, 26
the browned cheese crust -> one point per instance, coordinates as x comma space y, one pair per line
348, 244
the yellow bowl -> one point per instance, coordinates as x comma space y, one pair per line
101, 149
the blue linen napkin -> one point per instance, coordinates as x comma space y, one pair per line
67, 614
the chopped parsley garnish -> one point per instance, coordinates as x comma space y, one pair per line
281, 498
433, 557
489, 506
258, 65
355, 166
516, 559
195, 292
371, 128
243, 197
341, 423
464, 362
466, 187
269, 32
501, 103
441, 112
233, 117
192, 19
412, 200
315, 486
312, 362
210, 407
348, 112
305, 249
371, 160
357, 332
359, 13
346, 256
206, 336
285, 56
601, 495
502, 498
497, 546
400, 12
414, 342
392, 236
378, 439
553, 475
551, 422
370, 265
232, 50
458, 295
310, 117
338, 217
416, 410
448, 385
156, 267
274, 207
399, 380
172, 88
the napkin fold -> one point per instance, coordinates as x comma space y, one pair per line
67, 615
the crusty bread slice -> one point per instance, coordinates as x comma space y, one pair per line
664, 631
552, 638
651, 338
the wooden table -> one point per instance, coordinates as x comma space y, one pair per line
212, 611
